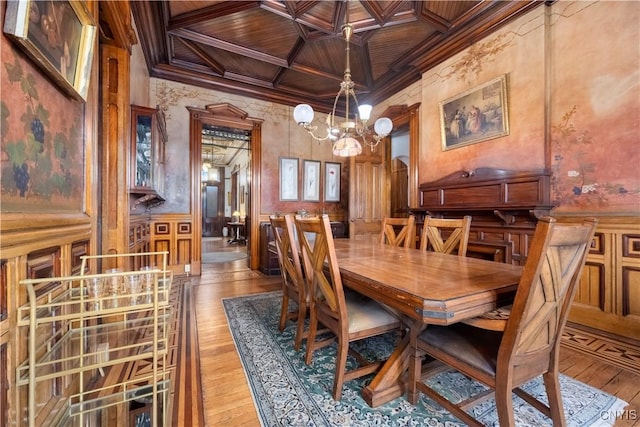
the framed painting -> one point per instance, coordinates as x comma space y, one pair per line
331, 182
59, 36
311, 181
288, 179
476, 115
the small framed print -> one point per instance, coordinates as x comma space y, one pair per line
311, 181
331, 182
288, 179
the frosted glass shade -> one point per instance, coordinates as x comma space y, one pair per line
365, 112
383, 126
303, 113
347, 147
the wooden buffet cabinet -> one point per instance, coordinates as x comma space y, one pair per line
505, 206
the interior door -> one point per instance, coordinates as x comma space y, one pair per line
212, 209
399, 193
368, 193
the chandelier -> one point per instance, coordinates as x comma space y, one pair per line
345, 133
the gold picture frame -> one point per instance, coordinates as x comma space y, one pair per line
59, 36
476, 115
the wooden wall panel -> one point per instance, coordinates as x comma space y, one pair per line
631, 245
184, 252
630, 304
609, 294
590, 291
174, 233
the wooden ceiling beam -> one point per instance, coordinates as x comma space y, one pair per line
229, 47
210, 12
197, 50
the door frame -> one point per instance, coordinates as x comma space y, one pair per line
402, 115
372, 169
225, 114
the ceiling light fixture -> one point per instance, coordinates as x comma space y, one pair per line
344, 134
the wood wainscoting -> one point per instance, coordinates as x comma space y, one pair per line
29, 254
175, 233
608, 297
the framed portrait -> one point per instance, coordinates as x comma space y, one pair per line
59, 36
331, 182
311, 181
476, 115
288, 178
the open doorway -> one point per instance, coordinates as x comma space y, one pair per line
225, 140
224, 172
399, 168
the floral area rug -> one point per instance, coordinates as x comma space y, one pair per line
287, 392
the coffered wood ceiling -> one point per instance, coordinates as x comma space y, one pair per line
290, 52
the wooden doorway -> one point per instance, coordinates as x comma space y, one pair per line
370, 177
225, 115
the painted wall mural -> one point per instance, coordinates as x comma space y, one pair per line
574, 104
42, 155
595, 107
581, 178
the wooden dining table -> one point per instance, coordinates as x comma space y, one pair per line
426, 288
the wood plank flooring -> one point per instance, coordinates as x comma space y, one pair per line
223, 397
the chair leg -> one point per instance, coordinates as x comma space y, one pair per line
341, 365
302, 314
311, 338
504, 404
552, 386
284, 311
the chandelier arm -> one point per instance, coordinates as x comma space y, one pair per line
311, 130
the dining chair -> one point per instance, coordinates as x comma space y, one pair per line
348, 315
399, 231
445, 235
293, 284
529, 344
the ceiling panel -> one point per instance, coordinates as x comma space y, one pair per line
293, 51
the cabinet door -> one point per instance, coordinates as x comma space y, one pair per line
143, 146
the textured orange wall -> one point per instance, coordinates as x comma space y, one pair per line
573, 74
595, 106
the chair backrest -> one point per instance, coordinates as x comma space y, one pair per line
445, 235
318, 250
399, 232
557, 256
288, 254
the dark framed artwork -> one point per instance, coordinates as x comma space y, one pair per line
476, 115
288, 178
59, 36
331, 182
311, 181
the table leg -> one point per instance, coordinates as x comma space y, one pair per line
391, 381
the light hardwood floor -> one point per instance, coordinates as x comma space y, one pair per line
225, 396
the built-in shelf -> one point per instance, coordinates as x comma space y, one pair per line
149, 198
